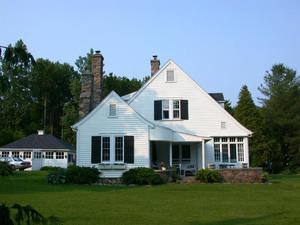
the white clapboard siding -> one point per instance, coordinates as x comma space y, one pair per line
205, 114
99, 123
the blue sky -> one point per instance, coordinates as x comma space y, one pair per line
220, 44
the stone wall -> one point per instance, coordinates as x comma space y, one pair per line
247, 175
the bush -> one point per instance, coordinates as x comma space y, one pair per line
82, 175
73, 175
5, 169
209, 176
265, 177
141, 176
50, 168
57, 176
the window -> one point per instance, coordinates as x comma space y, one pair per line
223, 125
170, 76
59, 155
165, 109
106, 149
15, 154
224, 153
241, 157
232, 153
119, 149
27, 155
185, 153
112, 110
240, 139
217, 153
175, 154
229, 149
5, 154
176, 109
37, 155
49, 155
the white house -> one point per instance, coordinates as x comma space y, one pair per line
170, 121
40, 150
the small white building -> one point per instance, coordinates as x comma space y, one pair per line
170, 121
40, 150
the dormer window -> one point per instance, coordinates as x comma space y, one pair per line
170, 76
112, 110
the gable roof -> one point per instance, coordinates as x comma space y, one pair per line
219, 97
35, 141
200, 88
112, 93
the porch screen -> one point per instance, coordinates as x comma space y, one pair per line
233, 153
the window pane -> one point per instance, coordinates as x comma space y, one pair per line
176, 114
170, 75
105, 148
49, 155
27, 155
232, 139
175, 154
186, 153
216, 139
240, 139
119, 148
241, 152
224, 139
217, 153
176, 104
15, 154
224, 153
112, 110
166, 114
165, 104
233, 153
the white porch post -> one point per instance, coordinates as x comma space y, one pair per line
170, 153
203, 155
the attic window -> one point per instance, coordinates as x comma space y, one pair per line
223, 125
112, 110
170, 76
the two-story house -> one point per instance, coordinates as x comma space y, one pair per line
170, 121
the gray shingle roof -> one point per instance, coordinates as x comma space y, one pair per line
35, 141
217, 96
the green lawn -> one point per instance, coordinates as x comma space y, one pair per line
207, 204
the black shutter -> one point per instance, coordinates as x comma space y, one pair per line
129, 149
157, 110
96, 149
184, 105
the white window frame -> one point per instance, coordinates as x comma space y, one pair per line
174, 76
59, 155
15, 154
119, 161
109, 110
49, 155
240, 156
5, 154
171, 108
102, 155
26, 154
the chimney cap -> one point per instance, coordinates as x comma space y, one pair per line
155, 57
97, 51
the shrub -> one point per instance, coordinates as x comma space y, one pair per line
73, 175
5, 169
57, 176
265, 177
82, 175
208, 176
50, 168
141, 176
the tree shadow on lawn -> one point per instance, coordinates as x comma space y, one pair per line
242, 221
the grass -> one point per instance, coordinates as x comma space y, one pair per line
191, 204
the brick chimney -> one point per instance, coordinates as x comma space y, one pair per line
91, 86
155, 63
97, 70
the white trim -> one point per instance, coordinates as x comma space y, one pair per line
203, 155
111, 94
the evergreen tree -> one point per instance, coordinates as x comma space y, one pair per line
228, 107
281, 113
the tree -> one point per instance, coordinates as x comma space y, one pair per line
84, 63
15, 95
228, 107
281, 113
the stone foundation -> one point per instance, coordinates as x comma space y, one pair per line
109, 181
248, 175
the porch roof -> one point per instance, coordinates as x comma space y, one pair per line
160, 133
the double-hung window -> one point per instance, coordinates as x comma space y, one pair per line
105, 149
176, 109
165, 109
119, 149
